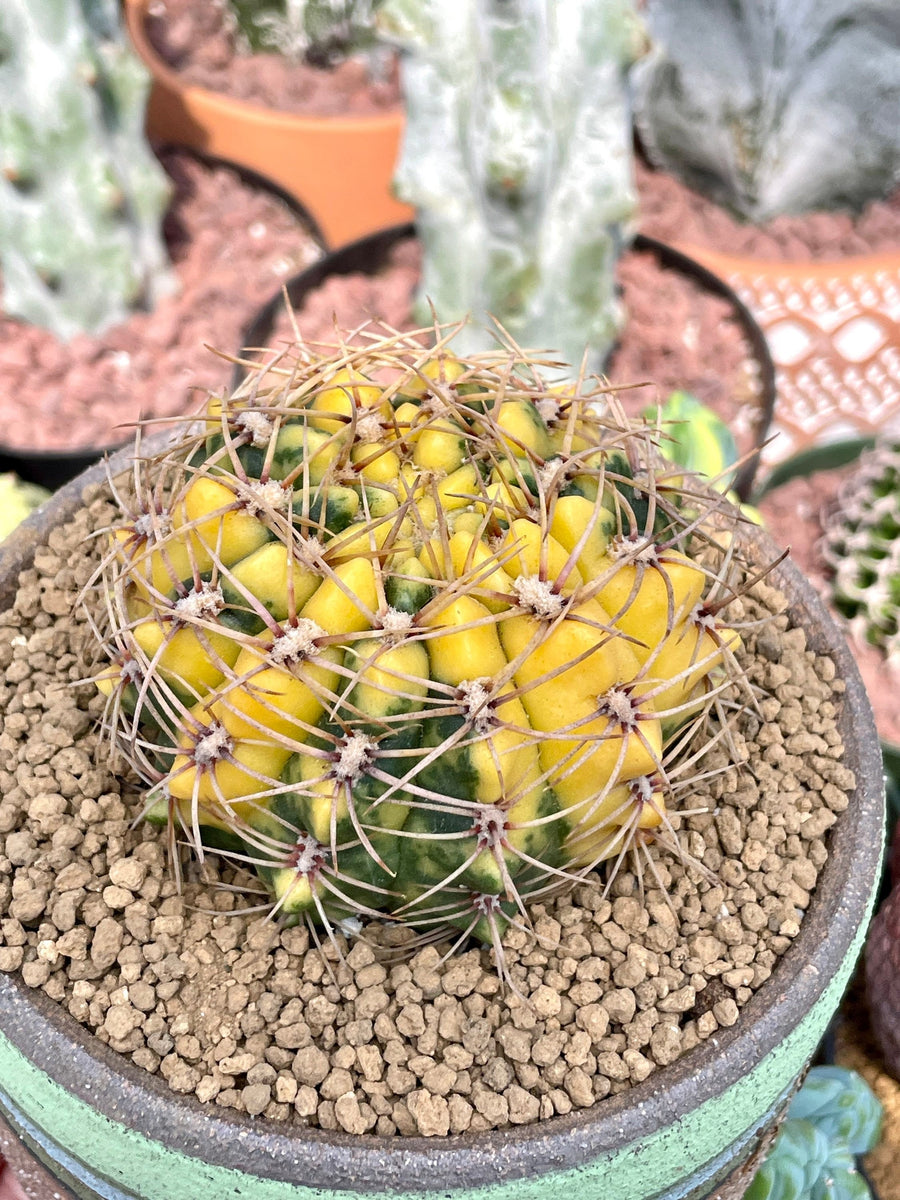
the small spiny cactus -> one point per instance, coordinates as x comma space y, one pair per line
862, 547
414, 634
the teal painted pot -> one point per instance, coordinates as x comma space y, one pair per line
106, 1129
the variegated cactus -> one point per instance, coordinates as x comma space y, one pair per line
413, 634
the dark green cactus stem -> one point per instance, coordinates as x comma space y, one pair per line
81, 194
517, 156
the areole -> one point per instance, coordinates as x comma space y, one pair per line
104, 1128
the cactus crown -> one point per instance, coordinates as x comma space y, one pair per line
413, 634
861, 544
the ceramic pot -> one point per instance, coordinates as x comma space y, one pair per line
338, 168
106, 1129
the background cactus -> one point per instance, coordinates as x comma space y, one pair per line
834, 1117
81, 195
321, 31
862, 547
413, 633
517, 157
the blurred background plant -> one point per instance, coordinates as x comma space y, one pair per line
517, 157
773, 106
318, 31
81, 194
834, 1118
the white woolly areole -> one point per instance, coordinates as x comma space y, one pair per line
296, 643
131, 671
538, 596
641, 789
475, 695
261, 498
396, 624
635, 547
307, 856
353, 757
153, 527
548, 408
490, 825
256, 425
216, 743
547, 472
703, 619
368, 427
309, 551
616, 703
206, 601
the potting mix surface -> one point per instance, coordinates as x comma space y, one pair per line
229, 1007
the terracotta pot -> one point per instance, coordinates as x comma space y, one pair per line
338, 168
691, 1130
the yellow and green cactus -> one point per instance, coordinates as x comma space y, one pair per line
411, 634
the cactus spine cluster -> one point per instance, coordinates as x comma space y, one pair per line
517, 158
81, 194
862, 547
413, 633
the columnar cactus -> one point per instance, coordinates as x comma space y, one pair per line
412, 634
517, 157
862, 546
81, 194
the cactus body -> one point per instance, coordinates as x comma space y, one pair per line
862, 546
81, 194
517, 157
412, 634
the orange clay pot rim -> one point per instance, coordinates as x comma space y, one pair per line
135, 15
857, 264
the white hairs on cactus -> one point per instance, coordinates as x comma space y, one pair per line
517, 156
81, 195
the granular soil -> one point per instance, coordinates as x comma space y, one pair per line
232, 242
233, 1009
202, 45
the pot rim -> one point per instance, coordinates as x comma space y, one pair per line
135, 12
831, 928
